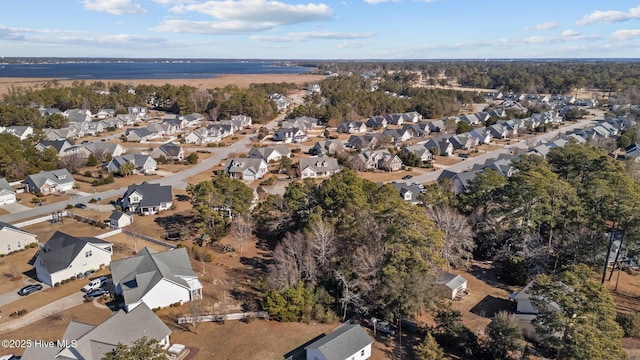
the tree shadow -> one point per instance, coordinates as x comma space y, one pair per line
489, 306
173, 224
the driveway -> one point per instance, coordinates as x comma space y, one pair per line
14, 208
42, 312
12, 296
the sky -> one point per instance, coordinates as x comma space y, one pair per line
321, 29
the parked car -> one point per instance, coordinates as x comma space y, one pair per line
95, 293
407, 177
29, 289
81, 206
95, 284
383, 327
9, 357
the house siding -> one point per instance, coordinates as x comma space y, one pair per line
7, 199
164, 294
79, 265
11, 240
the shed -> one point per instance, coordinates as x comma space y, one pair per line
454, 285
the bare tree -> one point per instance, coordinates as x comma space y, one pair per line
292, 261
243, 227
321, 238
350, 296
72, 162
197, 310
458, 235
100, 154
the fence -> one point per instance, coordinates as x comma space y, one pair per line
38, 220
218, 318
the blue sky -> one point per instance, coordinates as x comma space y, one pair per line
321, 29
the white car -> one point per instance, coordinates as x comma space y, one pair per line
95, 284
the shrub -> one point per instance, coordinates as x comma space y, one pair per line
69, 206
64, 281
93, 201
296, 150
56, 284
630, 323
87, 173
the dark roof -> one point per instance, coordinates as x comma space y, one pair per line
170, 149
152, 194
62, 248
342, 343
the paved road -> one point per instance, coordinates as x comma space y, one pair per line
42, 312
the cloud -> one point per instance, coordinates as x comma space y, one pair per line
549, 25
610, 16
313, 35
210, 27
384, 1
351, 45
625, 34
569, 33
263, 11
115, 7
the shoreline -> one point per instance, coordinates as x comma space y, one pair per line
222, 80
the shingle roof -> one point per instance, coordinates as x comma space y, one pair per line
342, 343
62, 249
152, 194
4, 185
139, 274
60, 176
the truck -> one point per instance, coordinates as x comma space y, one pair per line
383, 327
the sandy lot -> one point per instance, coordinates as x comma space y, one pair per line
240, 80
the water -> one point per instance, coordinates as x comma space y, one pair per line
145, 70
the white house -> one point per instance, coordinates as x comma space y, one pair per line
270, 153
120, 219
143, 164
147, 199
318, 167
349, 342
49, 182
157, 279
13, 238
290, 135
7, 193
246, 168
65, 256
170, 151
94, 342
453, 285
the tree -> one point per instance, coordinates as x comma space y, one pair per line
242, 227
126, 169
505, 337
321, 237
463, 127
197, 309
429, 349
583, 324
192, 159
92, 160
458, 235
141, 349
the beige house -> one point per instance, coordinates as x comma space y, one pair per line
13, 238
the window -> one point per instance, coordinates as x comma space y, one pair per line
87, 253
19, 245
362, 352
8, 247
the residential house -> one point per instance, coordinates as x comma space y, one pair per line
7, 193
437, 126
304, 123
419, 129
244, 121
61, 134
464, 141
290, 135
58, 145
101, 149
314, 88
105, 113
95, 342
497, 113
203, 135
454, 285
146, 198
64, 256
526, 312
270, 153
246, 168
49, 182
78, 115
176, 124
328, 146
408, 193
143, 164
442, 145
119, 219
139, 134
160, 129
412, 117
474, 119
156, 279
282, 102
398, 135
377, 122
128, 119
112, 123
80, 151
366, 141
318, 167
352, 127
380, 159
21, 132
191, 120
137, 111
13, 238
458, 181
483, 134
633, 152
349, 342
394, 119
420, 151
498, 131
94, 128
47, 111
170, 151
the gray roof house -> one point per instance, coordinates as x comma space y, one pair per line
290, 134
408, 193
270, 153
346, 343
420, 151
328, 146
377, 121
453, 285
49, 182
143, 164
119, 219
318, 167
94, 342
157, 279
13, 238
58, 145
139, 134
351, 127
170, 151
246, 168
147, 198
7, 193
444, 146
22, 132
64, 256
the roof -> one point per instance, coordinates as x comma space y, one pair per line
152, 194
137, 159
60, 176
117, 215
451, 281
4, 225
4, 185
170, 149
62, 249
139, 274
93, 342
239, 165
342, 343
319, 164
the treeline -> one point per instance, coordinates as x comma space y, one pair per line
218, 103
19, 158
351, 98
532, 76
